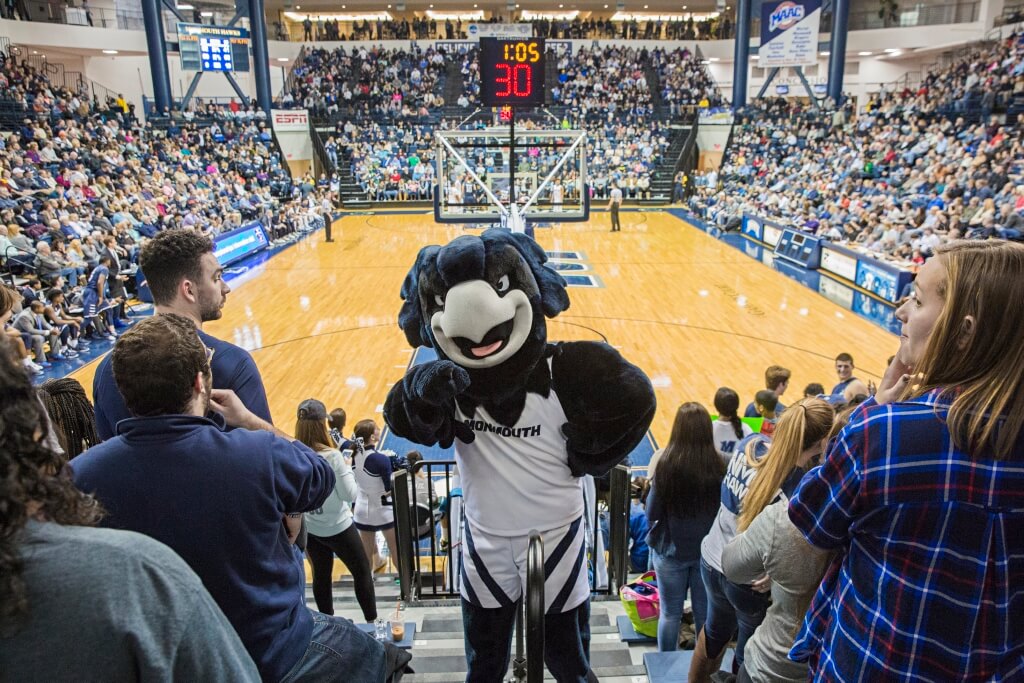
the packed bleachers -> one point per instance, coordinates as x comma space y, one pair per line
362, 84
74, 173
916, 169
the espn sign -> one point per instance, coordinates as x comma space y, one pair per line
290, 120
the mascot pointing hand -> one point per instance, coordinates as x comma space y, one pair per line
528, 419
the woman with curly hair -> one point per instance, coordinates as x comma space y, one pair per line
126, 609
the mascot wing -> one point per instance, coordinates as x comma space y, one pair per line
608, 401
421, 406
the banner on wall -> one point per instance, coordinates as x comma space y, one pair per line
789, 33
475, 31
290, 120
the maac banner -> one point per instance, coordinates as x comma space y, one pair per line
789, 33
475, 31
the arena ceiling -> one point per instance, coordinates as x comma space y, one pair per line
585, 9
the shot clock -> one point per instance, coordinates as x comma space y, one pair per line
512, 72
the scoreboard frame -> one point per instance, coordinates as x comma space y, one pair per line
191, 39
512, 72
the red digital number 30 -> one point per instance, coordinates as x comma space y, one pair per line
517, 80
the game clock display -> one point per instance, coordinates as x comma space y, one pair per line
512, 72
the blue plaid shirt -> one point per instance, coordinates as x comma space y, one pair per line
929, 583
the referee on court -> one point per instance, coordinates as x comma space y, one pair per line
613, 205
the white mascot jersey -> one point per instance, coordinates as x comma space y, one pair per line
517, 479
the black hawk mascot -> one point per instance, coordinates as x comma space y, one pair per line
529, 419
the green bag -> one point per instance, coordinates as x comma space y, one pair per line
640, 600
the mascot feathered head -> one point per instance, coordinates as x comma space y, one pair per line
481, 303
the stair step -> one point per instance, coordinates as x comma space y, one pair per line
452, 660
617, 674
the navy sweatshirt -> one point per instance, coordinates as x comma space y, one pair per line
217, 499
232, 367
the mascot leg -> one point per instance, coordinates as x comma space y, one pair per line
567, 645
488, 641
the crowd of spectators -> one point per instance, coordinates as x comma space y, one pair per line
913, 171
81, 179
365, 83
605, 91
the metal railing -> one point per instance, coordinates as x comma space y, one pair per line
528, 664
428, 565
1013, 14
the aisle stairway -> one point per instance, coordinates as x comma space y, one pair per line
439, 652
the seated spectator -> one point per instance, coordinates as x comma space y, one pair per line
926, 547
36, 332
219, 503
776, 380
766, 403
127, 609
728, 429
844, 371
813, 390
71, 415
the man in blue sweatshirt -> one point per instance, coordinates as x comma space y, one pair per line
217, 498
185, 277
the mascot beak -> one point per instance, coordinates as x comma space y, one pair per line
478, 327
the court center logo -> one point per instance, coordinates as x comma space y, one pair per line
785, 15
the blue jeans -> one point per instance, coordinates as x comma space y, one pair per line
338, 651
730, 607
489, 642
675, 579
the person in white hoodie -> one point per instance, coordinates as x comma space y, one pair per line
330, 530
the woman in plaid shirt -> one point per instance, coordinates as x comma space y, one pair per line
923, 492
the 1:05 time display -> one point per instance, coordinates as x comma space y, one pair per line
521, 52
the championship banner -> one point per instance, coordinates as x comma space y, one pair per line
475, 31
789, 33
290, 120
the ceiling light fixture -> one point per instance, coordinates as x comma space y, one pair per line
824, 54
186, 6
864, 53
206, 14
110, 52
282, 59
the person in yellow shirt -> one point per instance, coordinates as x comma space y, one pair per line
121, 102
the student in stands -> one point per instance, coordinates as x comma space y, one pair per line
844, 371
766, 403
769, 544
728, 429
71, 414
330, 526
217, 497
374, 510
185, 278
776, 380
126, 608
931, 585
813, 390
681, 507
733, 606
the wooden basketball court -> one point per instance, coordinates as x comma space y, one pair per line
321, 319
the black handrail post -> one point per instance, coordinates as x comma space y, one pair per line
535, 609
403, 532
618, 527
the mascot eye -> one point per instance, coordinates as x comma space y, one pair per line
439, 300
502, 285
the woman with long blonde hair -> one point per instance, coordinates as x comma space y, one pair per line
732, 606
770, 545
923, 491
